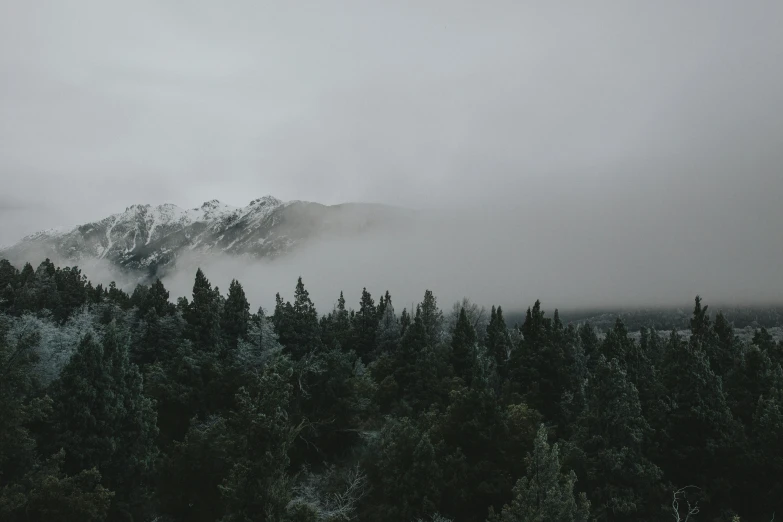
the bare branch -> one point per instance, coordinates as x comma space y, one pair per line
691, 510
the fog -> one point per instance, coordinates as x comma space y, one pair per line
503, 260
616, 153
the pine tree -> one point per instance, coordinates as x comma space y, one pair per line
158, 299
463, 347
698, 442
235, 320
365, 324
45, 493
297, 325
589, 339
613, 437
405, 471
725, 353
337, 327
538, 368
535, 328
257, 485
432, 318
701, 327
545, 494
203, 316
382, 302
498, 341
765, 489
389, 332
18, 405
103, 418
9, 275
405, 321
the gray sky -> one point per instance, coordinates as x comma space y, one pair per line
654, 125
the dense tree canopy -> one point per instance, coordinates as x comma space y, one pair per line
123, 406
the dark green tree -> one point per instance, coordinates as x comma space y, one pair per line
365, 324
104, 420
432, 318
404, 473
405, 321
613, 439
203, 316
389, 331
235, 320
463, 347
545, 494
297, 325
498, 341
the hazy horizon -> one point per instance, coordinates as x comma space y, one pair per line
583, 155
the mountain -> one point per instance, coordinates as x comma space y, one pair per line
149, 239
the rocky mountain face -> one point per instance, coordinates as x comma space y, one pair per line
149, 239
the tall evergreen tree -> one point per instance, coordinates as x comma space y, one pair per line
406, 471
498, 341
103, 418
389, 332
203, 316
365, 324
235, 320
545, 494
613, 438
432, 318
297, 325
699, 435
405, 321
463, 347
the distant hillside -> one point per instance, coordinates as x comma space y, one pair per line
148, 240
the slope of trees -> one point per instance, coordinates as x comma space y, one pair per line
129, 407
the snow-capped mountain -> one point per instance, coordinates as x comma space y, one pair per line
147, 238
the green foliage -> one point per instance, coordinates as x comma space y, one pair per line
297, 325
235, 319
102, 418
117, 406
545, 493
463, 347
498, 341
405, 472
45, 493
613, 439
365, 324
203, 316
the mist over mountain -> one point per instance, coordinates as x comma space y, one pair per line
571, 258
146, 242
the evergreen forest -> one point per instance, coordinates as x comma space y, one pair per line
142, 406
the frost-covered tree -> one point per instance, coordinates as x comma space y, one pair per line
259, 346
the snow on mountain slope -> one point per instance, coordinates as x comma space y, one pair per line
147, 238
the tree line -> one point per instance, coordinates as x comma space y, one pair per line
133, 407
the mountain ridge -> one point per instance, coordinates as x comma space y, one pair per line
149, 238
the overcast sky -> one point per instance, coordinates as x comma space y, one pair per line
652, 117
